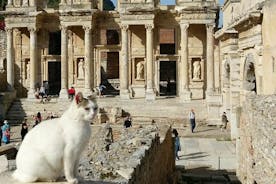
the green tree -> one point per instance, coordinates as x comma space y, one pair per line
3, 4
108, 5
53, 3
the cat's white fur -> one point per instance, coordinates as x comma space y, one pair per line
53, 148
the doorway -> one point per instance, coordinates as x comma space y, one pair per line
167, 83
54, 77
110, 73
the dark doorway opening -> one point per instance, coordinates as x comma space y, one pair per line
55, 43
167, 83
110, 73
54, 77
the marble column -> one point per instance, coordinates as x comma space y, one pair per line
32, 2
185, 93
89, 64
10, 60
10, 3
63, 2
33, 62
210, 57
124, 92
64, 63
150, 95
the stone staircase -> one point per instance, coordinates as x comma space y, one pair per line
169, 111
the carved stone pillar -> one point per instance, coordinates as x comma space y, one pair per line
150, 95
185, 93
32, 2
33, 61
89, 63
25, 3
124, 92
64, 62
10, 60
210, 57
10, 3
63, 2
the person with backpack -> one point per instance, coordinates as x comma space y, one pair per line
6, 132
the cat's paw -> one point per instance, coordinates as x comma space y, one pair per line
73, 181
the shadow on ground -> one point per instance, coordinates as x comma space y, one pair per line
204, 175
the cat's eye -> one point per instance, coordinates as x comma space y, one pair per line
95, 108
87, 108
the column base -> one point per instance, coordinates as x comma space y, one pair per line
150, 95
31, 94
214, 104
124, 94
63, 94
186, 95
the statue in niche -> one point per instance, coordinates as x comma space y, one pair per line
27, 71
81, 69
196, 70
227, 70
140, 70
25, 2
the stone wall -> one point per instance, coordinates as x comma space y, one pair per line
157, 166
257, 146
137, 155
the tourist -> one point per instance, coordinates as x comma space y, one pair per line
38, 117
192, 120
100, 89
1, 134
71, 93
177, 146
224, 121
42, 91
128, 122
6, 132
24, 129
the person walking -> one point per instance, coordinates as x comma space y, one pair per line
192, 120
71, 93
128, 122
224, 121
177, 146
24, 129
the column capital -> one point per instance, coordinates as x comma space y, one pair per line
87, 28
149, 27
8, 29
184, 26
210, 27
124, 27
63, 28
32, 29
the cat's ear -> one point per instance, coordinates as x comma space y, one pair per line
79, 97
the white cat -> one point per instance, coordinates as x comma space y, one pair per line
53, 148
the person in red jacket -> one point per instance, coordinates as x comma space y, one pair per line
71, 93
